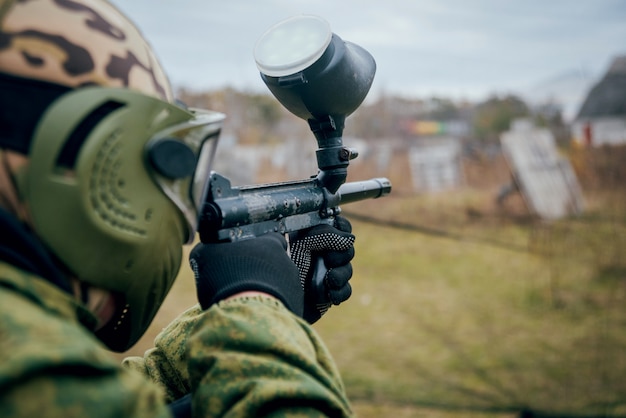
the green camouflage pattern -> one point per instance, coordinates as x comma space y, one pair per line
245, 357
77, 43
166, 363
252, 357
52, 366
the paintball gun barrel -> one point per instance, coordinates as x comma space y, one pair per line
236, 213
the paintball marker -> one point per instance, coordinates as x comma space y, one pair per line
322, 79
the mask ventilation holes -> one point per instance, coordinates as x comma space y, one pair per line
107, 187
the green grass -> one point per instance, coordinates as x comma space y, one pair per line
471, 324
457, 324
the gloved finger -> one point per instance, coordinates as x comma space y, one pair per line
275, 238
323, 229
343, 224
329, 229
334, 259
340, 295
336, 278
202, 251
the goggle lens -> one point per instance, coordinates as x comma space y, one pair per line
182, 157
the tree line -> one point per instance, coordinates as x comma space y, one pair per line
258, 118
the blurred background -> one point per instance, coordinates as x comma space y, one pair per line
492, 281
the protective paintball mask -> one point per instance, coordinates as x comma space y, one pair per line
115, 183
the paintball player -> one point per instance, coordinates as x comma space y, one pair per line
97, 198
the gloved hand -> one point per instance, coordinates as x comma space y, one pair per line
323, 254
259, 264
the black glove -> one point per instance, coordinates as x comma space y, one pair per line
323, 254
259, 264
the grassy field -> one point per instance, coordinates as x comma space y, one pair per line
476, 314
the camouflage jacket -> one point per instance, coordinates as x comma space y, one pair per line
241, 358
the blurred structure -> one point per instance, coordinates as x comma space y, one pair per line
433, 149
545, 179
435, 164
602, 117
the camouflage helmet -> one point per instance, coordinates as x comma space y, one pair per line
76, 43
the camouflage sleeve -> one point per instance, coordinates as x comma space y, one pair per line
246, 356
165, 364
250, 356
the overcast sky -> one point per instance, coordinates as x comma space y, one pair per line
456, 48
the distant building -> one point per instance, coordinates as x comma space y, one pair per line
602, 117
435, 163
